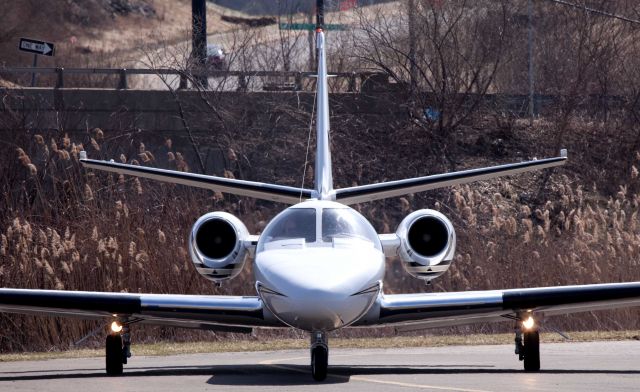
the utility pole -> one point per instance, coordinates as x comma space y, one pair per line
319, 21
312, 51
319, 14
531, 106
33, 75
199, 40
412, 44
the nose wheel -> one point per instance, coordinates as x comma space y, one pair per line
319, 356
319, 363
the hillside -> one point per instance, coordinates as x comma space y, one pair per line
99, 33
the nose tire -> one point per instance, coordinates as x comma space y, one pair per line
319, 362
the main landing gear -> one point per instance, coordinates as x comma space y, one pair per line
117, 348
528, 342
319, 355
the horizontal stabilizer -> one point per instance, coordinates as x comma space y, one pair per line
364, 193
259, 190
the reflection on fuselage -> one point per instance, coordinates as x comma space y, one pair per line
316, 262
317, 223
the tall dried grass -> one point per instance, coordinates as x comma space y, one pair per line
64, 227
572, 238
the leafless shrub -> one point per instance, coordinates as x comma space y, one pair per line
445, 54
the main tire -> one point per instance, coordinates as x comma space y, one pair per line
114, 355
319, 363
532, 351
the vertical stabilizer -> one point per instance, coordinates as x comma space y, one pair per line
324, 178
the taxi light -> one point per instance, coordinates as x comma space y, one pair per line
529, 323
116, 327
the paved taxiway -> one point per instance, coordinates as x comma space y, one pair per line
600, 366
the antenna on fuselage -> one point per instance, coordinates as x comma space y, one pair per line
323, 177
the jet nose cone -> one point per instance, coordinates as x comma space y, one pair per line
320, 293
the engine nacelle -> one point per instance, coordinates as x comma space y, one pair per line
427, 244
216, 245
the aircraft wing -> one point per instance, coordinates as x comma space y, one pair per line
259, 190
417, 311
383, 190
218, 312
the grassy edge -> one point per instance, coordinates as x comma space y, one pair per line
171, 348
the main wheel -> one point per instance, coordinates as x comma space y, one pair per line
319, 363
532, 351
114, 355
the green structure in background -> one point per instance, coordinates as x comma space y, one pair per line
311, 26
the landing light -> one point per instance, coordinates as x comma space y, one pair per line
529, 323
116, 327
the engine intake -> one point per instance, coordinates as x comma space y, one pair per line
216, 246
427, 244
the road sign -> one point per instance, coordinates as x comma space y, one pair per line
311, 26
37, 47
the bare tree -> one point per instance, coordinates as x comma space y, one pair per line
451, 56
290, 40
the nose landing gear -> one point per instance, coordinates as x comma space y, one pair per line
319, 355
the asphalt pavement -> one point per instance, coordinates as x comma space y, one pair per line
598, 366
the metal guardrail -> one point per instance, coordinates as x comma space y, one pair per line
242, 76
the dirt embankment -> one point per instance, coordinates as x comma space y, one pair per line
99, 33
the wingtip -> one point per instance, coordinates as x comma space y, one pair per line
564, 153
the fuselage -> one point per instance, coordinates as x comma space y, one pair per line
319, 266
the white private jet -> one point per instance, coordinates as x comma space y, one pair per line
319, 265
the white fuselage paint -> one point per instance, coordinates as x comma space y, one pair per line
319, 286
324, 176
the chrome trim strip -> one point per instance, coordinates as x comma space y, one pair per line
202, 303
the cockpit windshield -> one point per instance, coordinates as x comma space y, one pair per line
296, 228
294, 223
346, 223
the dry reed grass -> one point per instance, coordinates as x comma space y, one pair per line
67, 228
